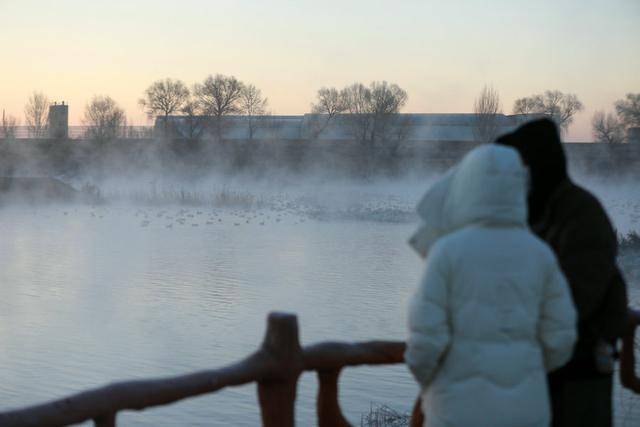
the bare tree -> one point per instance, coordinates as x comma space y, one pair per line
359, 121
104, 118
193, 119
486, 109
373, 111
373, 119
386, 101
9, 125
389, 127
164, 97
561, 107
252, 104
527, 105
607, 128
628, 110
36, 113
330, 102
556, 105
218, 97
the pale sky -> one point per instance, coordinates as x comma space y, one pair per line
440, 52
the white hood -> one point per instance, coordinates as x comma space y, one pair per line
488, 186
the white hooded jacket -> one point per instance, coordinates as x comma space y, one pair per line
493, 313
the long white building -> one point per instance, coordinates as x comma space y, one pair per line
415, 127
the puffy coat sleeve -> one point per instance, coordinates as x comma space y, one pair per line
429, 333
558, 319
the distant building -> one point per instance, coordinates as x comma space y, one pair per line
59, 121
416, 127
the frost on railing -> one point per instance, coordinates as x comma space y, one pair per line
275, 367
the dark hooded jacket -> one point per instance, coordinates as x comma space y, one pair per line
573, 222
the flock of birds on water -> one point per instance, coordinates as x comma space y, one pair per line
193, 217
279, 209
198, 217
623, 210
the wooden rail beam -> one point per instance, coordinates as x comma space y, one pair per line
105, 421
135, 395
335, 355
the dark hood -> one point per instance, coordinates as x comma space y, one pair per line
539, 145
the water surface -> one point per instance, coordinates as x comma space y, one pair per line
90, 295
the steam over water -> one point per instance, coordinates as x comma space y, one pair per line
160, 283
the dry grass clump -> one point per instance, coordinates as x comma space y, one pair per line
384, 416
235, 199
630, 242
165, 197
223, 198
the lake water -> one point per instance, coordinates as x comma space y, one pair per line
90, 295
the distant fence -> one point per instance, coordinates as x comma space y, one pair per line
275, 366
79, 132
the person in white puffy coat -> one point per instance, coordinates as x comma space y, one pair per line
493, 313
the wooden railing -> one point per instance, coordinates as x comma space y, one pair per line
275, 366
628, 377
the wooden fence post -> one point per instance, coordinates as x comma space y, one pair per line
108, 420
277, 393
328, 406
417, 417
628, 377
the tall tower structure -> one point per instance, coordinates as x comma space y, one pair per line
59, 121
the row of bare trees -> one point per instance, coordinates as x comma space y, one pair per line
372, 110
613, 128
103, 117
558, 106
206, 104
554, 104
561, 108
370, 114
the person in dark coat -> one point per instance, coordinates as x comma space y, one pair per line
574, 223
